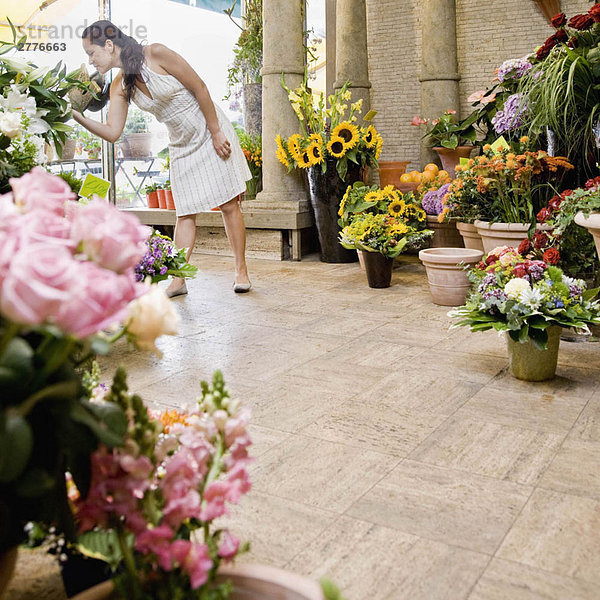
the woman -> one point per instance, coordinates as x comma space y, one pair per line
208, 167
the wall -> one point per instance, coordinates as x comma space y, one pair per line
488, 33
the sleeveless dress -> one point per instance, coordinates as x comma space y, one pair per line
200, 179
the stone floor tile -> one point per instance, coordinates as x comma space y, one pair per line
574, 469
587, 427
481, 342
506, 580
558, 533
264, 438
356, 555
453, 507
333, 477
499, 451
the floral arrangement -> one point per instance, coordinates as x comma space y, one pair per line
433, 201
445, 131
158, 495
162, 260
524, 297
505, 186
380, 220
252, 148
329, 133
66, 278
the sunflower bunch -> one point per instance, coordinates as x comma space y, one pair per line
328, 130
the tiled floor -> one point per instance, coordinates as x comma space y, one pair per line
393, 455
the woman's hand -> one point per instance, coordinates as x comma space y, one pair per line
221, 144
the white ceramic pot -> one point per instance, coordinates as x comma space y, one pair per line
592, 224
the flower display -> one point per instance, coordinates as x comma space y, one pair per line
513, 68
162, 260
160, 492
252, 148
445, 131
330, 132
511, 115
524, 297
433, 200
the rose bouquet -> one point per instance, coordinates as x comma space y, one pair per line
66, 276
163, 260
525, 297
329, 133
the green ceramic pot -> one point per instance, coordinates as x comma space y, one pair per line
529, 363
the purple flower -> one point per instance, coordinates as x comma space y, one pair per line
514, 68
510, 118
433, 200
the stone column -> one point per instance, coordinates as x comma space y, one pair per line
330, 27
351, 50
439, 64
283, 52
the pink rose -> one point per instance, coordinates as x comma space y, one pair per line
108, 236
99, 298
39, 189
229, 546
38, 281
45, 226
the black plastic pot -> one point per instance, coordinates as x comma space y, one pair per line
378, 268
80, 572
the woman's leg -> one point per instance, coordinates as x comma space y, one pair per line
236, 234
185, 237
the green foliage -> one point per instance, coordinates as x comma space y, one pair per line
74, 182
330, 590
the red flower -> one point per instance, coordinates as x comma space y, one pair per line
581, 22
520, 271
551, 256
524, 248
540, 240
594, 12
565, 193
544, 215
491, 259
555, 202
481, 265
561, 35
573, 42
559, 20
591, 183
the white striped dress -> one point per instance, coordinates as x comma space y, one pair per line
200, 179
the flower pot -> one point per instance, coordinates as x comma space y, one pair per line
404, 188
592, 224
361, 260
378, 268
445, 235
390, 171
253, 108
326, 191
450, 157
80, 573
169, 199
528, 362
503, 234
138, 145
448, 281
470, 236
152, 199
162, 198
8, 560
249, 581
68, 149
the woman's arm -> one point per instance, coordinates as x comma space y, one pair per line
176, 65
117, 115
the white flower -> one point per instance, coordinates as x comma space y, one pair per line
531, 297
498, 250
40, 146
10, 124
149, 317
515, 287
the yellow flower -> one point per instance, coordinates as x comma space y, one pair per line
348, 132
315, 152
373, 196
316, 137
524, 139
356, 105
370, 137
347, 95
378, 147
281, 154
336, 147
396, 208
304, 160
293, 146
344, 200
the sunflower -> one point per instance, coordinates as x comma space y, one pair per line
316, 137
370, 137
379, 144
348, 132
282, 154
315, 152
389, 193
336, 146
396, 207
373, 196
293, 146
344, 200
304, 160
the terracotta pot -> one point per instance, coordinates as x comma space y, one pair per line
378, 268
408, 187
8, 560
470, 236
250, 582
503, 234
592, 224
152, 199
169, 199
390, 171
527, 362
448, 281
450, 157
549, 8
162, 198
445, 234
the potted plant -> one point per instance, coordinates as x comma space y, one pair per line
88, 143
170, 204
531, 300
136, 136
252, 148
161, 195
446, 234
151, 192
380, 224
334, 152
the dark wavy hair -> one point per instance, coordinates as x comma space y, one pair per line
132, 55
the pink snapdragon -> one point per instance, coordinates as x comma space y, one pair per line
194, 559
158, 541
229, 546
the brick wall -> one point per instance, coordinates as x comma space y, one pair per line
488, 33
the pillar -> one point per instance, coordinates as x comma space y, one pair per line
283, 52
351, 59
330, 45
439, 64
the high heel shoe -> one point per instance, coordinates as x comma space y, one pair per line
241, 288
180, 291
